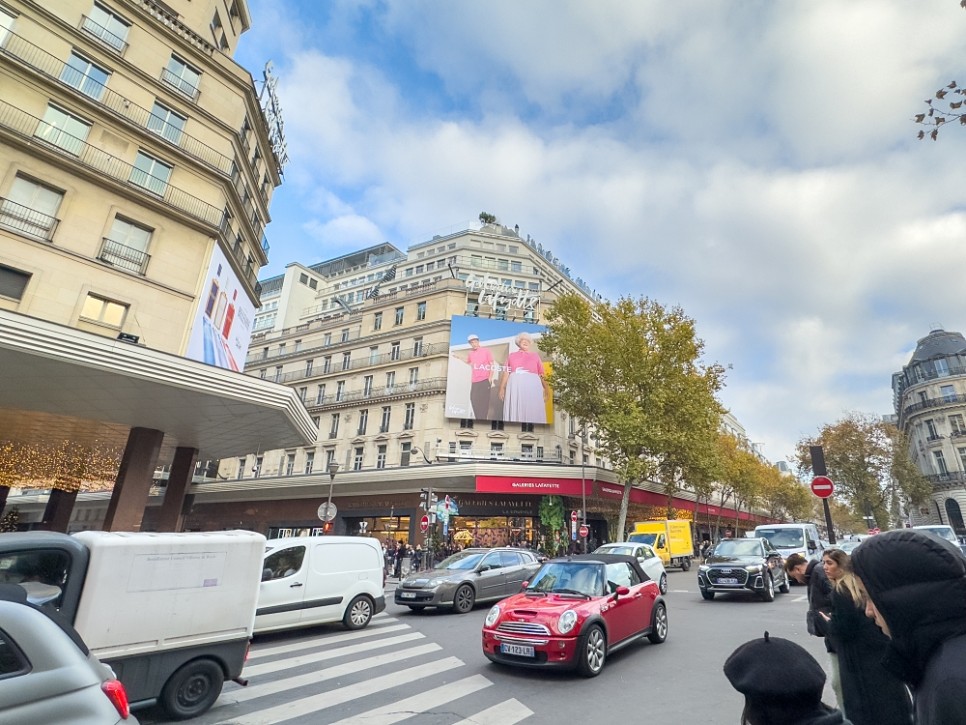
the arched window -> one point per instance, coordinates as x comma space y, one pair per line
955, 516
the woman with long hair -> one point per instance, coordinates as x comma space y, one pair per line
872, 695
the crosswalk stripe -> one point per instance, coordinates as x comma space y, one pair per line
507, 712
418, 704
273, 688
296, 645
314, 703
294, 662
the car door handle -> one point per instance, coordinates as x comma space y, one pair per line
296, 584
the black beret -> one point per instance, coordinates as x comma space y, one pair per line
772, 668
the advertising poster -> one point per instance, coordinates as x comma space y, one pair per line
222, 328
497, 372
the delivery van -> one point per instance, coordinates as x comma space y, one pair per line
670, 538
942, 531
171, 614
798, 538
310, 580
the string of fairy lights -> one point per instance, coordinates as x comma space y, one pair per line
65, 465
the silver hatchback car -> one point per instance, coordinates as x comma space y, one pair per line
48, 677
467, 577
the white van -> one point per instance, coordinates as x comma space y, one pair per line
788, 539
309, 580
943, 532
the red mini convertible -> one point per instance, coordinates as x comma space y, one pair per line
574, 613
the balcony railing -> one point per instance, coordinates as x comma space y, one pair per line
53, 67
955, 399
948, 477
354, 396
27, 221
362, 362
180, 84
120, 255
468, 454
104, 35
26, 126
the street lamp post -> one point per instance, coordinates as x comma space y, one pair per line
583, 487
333, 469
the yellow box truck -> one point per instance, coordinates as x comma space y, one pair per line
670, 538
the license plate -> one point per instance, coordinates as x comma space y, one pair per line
407, 595
727, 580
519, 650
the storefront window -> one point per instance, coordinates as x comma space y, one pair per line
493, 530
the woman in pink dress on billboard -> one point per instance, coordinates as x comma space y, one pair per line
523, 388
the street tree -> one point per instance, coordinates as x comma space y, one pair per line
869, 461
631, 370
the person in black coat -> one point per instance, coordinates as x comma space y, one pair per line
782, 684
812, 574
871, 694
916, 587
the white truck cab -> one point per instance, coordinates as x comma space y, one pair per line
797, 538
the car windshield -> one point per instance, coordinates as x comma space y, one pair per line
943, 532
738, 547
569, 578
463, 560
625, 550
643, 538
783, 538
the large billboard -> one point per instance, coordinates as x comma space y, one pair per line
496, 372
222, 328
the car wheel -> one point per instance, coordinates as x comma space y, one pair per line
784, 585
768, 595
685, 564
662, 583
359, 613
464, 599
591, 651
192, 689
658, 624
707, 595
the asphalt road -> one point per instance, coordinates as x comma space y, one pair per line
427, 668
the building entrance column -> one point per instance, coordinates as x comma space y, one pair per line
60, 505
172, 509
133, 483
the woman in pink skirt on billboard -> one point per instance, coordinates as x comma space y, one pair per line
523, 388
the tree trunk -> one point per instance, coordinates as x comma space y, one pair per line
622, 516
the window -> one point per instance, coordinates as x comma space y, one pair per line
83, 75
345, 335
526, 452
329, 457
940, 461
150, 173
496, 425
399, 315
962, 457
357, 460
126, 246
182, 77
334, 426
241, 468
303, 392
421, 311
413, 376
363, 421
466, 423
948, 392
278, 373
103, 311
573, 458
381, 457
327, 364
394, 351
957, 425
417, 346
539, 453
308, 367
526, 427
410, 420
496, 450
367, 386
257, 468
166, 123
942, 368
340, 390
377, 321
6, 22
309, 461
466, 448
346, 360
30, 208
63, 130
13, 282
327, 340
404, 453
107, 27
931, 429
390, 382
320, 395
290, 464
386, 415
373, 355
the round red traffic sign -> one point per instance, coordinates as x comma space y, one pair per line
573, 516
822, 486
424, 524
584, 531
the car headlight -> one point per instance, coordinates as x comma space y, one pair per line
753, 568
492, 615
702, 567
435, 582
567, 621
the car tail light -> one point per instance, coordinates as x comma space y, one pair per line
248, 650
118, 696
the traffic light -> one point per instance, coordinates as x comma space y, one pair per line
424, 497
327, 527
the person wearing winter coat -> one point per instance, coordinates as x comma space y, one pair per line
916, 588
871, 694
782, 684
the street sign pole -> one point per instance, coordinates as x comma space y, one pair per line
819, 469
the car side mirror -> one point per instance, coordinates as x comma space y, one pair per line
621, 591
812, 546
524, 586
266, 574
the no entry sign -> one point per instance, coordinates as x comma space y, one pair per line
822, 486
584, 531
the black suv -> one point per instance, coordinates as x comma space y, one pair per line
736, 565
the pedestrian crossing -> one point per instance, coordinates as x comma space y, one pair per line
386, 673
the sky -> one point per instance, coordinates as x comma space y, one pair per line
753, 162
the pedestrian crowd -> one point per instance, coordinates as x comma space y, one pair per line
893, 619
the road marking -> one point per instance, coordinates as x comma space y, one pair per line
803, 598
295, 645
418, 704
314, 703
506, 713
327, 655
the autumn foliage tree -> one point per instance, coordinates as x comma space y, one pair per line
632, 371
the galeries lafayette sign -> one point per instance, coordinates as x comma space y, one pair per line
530, 485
